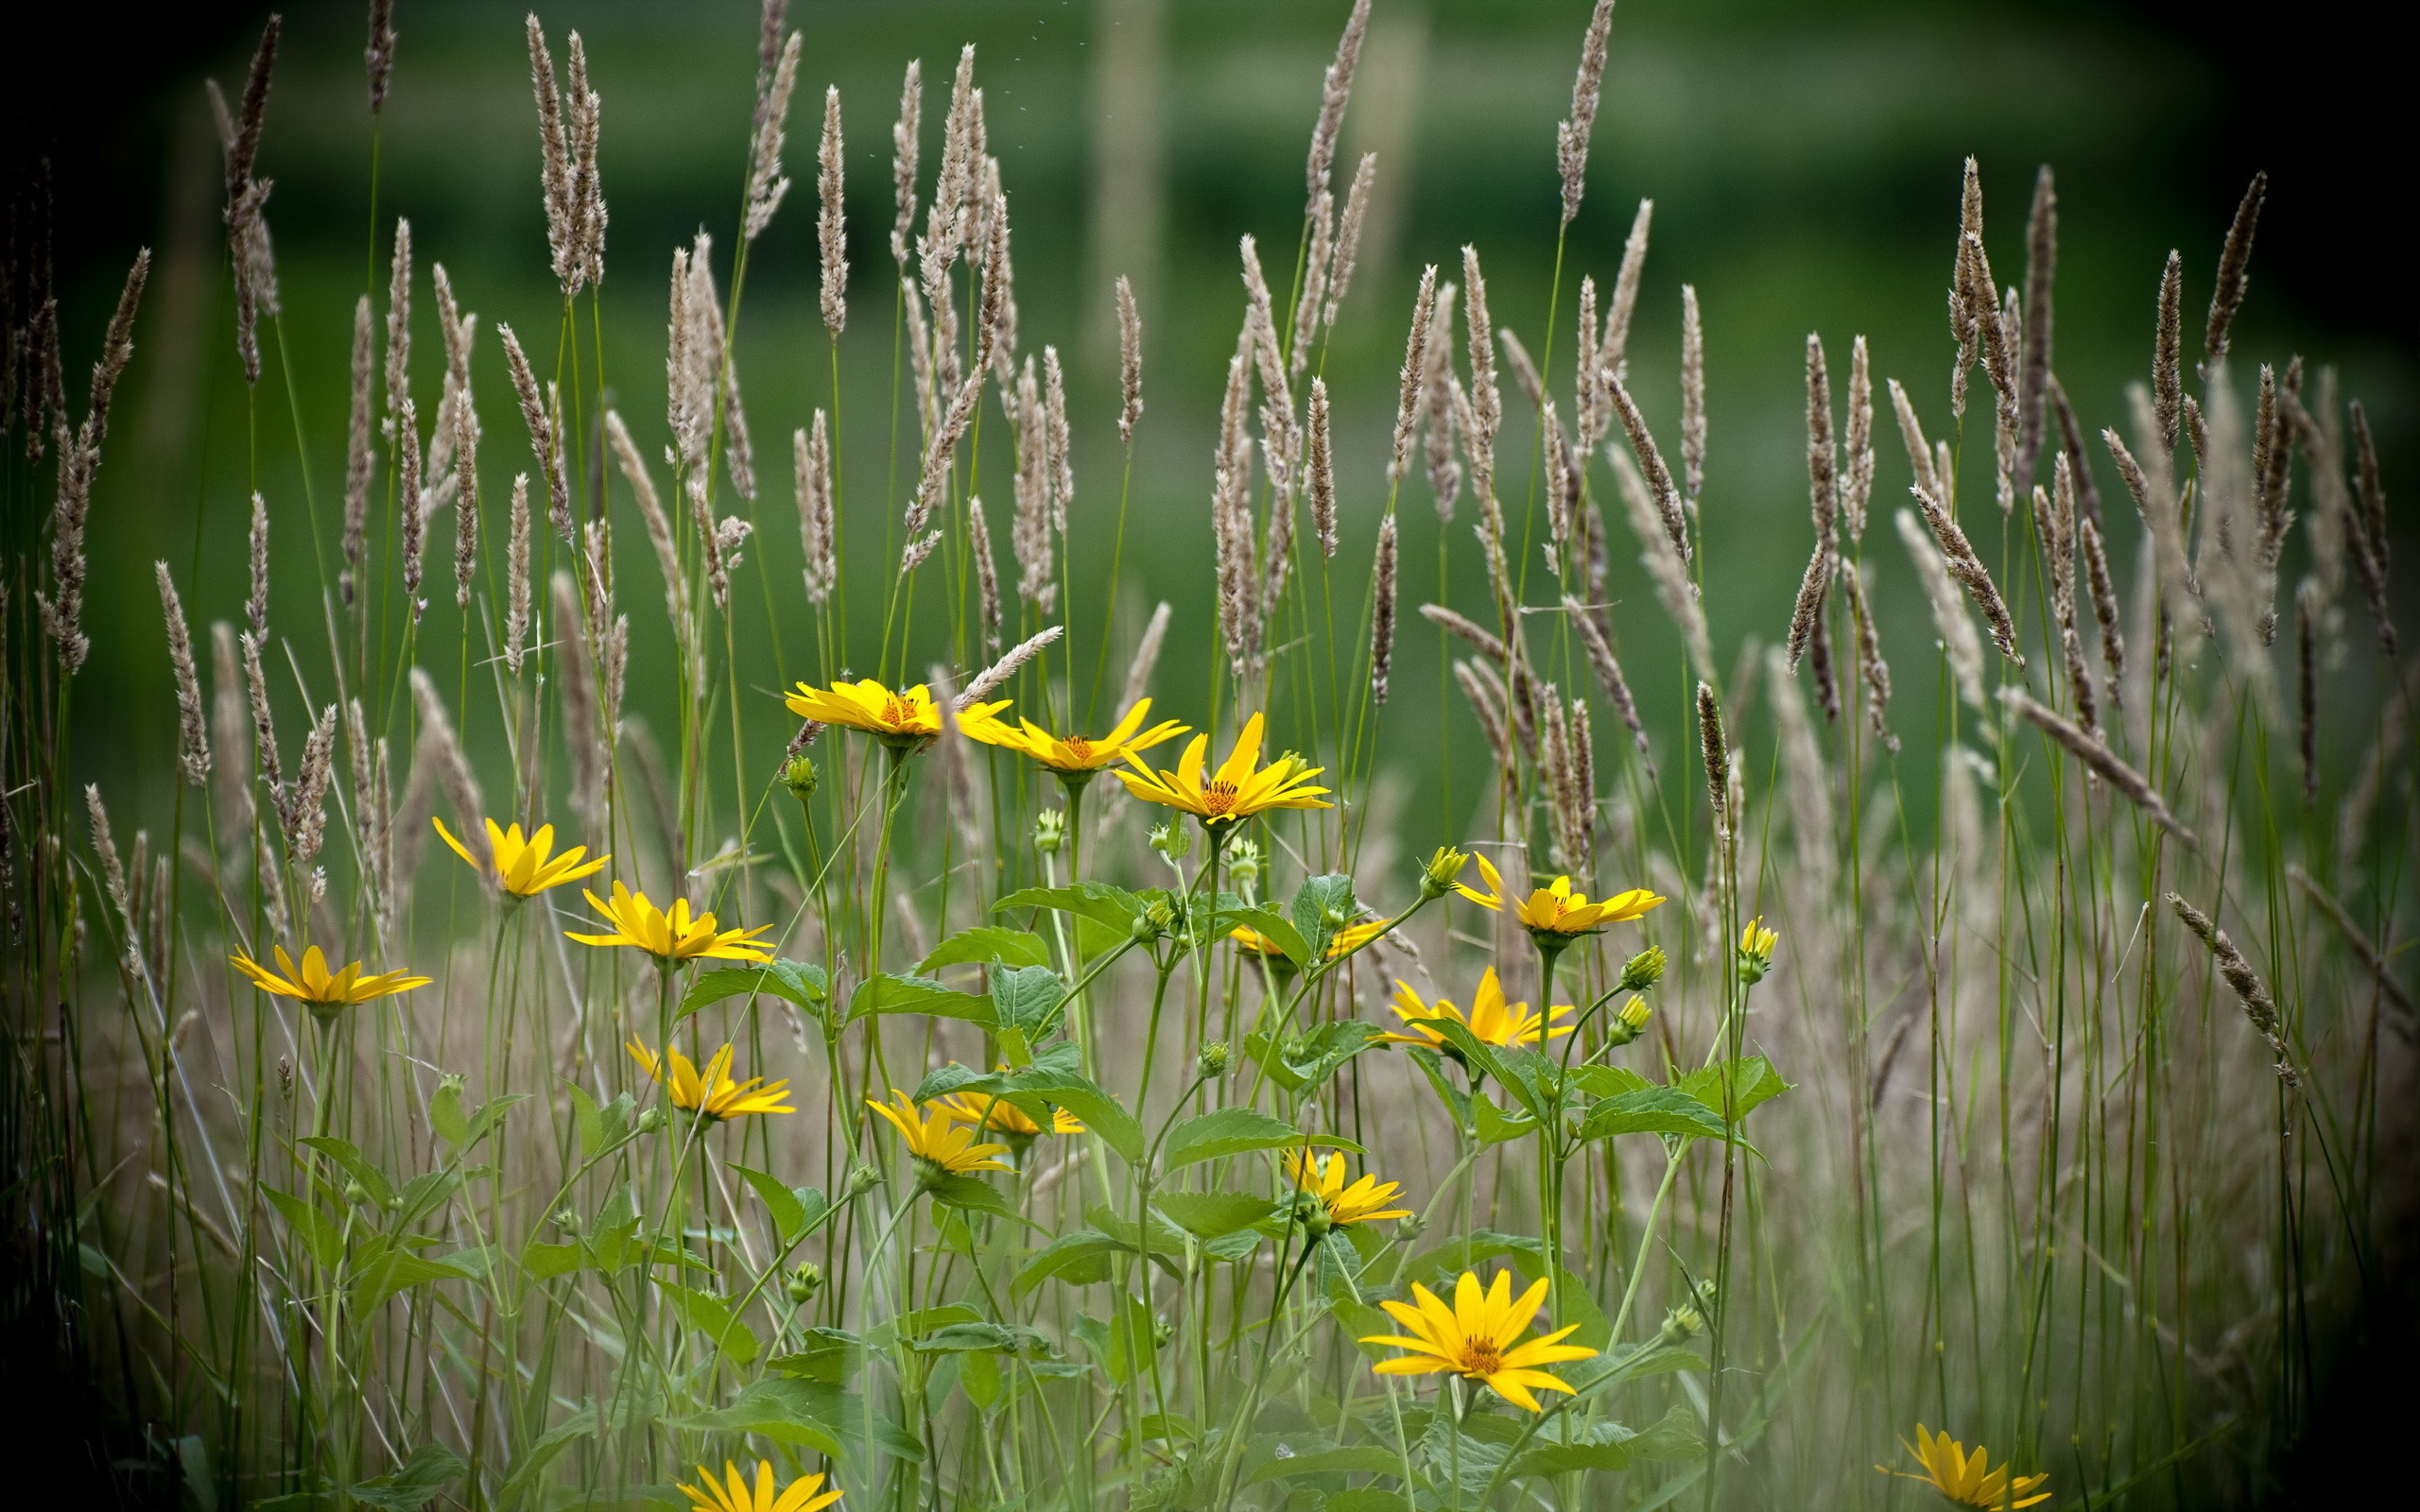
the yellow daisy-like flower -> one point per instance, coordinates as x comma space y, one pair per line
521, 866
733, 1493
937, 1139
1364, 1201
713, 1094
314, 984
1556, 910
1492, 1021
902, 720
1239, 789
1474, 1339
1001, 1116
674, 935
1073, 756
1968, 1480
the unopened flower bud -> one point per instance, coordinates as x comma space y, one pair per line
1215, 1056
651, 1120
798, 776
862, 1178
1630, 1021
1050, 831
355, 1192
1244, 864
567, 1221
1443, 869
1756, 945
805, 1280
1172, 841
1643, 969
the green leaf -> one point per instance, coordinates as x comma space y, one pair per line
1268, 922
828, 1355
1496, 1126
1162, 1238
1127, 1344
423, 1194
1674, 1437
966, 1338
1597, 1447
977, 1194
1367, 1459
1081, 1257
395, 1271
1300, 1062
887, 993
788, 1213
532, 1461
1102, 1114
543, 1262
809, 1413
1209, 1214
446, 1113
1369, 1499
1236, 1131
800, 983
1322, 905
1095, 901
710, 1315
414, 1483
322, 1237
1753, 1081
491, 1113
343, 1152
1457, 1101
1608, 1081
1471, 1251
986, 944
1652, 1110
1027, 998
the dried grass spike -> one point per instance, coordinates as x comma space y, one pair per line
2226, 294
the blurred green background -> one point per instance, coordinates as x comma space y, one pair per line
1804, 159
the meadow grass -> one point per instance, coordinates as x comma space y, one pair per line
979, 1103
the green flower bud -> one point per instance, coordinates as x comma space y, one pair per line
1443, 869
355, 1192
567, 1221
805, 1280
650, 1121
862, 1178
1643, 969
1172, 841
1215, 1056
798, 776
1050, 831
1244, 864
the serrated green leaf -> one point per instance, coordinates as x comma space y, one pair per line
1496, 1126
712, 1316
543, 1262
1753, 1081
320, 1236
355, 1166
1299, 1062
781, 1203
1027, 999
1209, 1214
1096, 901
984, 945
800, 983
809, 1413
1271, 925
1081, 1257
976, 1195
889, 993
445, 1114
1236, 1131
1362, 1458
395, 1271
1322, 905
829, 1355
1652, 1110
415, 1483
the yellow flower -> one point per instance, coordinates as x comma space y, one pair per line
673, 936
1965, 1480
1474, 1338
1241, 788
799, 1496
1492, 1021
902, 720
521, 866
1361, 1202
1556, 910
713, 1094
936, 1138
313, 984
1069, 755
1001, 1116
